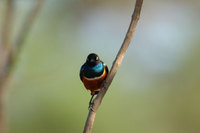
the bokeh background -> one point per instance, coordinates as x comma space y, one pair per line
156, 90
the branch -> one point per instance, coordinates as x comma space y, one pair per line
5, 35
26, 27
116, 64
9, 55
4, 46
9, 52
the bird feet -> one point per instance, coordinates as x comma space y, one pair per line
91, 106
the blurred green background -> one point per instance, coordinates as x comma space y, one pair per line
156, 90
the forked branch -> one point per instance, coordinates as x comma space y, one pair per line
9, 51
116, 64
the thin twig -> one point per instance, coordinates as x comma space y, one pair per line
116, 64
5, 36
4, 52
13, 50
6, 28
27, 25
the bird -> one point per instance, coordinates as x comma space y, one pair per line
92, 73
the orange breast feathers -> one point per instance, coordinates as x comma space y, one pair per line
94, 84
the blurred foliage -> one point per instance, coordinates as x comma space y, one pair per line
156, 89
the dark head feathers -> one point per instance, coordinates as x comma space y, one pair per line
92, 59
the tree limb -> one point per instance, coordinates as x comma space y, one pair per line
6, 28
4, 46
116, 64
27, 25
9, 51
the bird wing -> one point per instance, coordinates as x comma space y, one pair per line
81, 72
106, 67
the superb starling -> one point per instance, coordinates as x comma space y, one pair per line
93, 72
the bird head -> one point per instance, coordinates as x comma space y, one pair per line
92, 59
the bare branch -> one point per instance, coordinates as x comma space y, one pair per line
5, 35
9, 52
114, 68
4, 46
8, 55
27, 25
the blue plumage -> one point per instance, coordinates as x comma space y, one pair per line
92, 72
